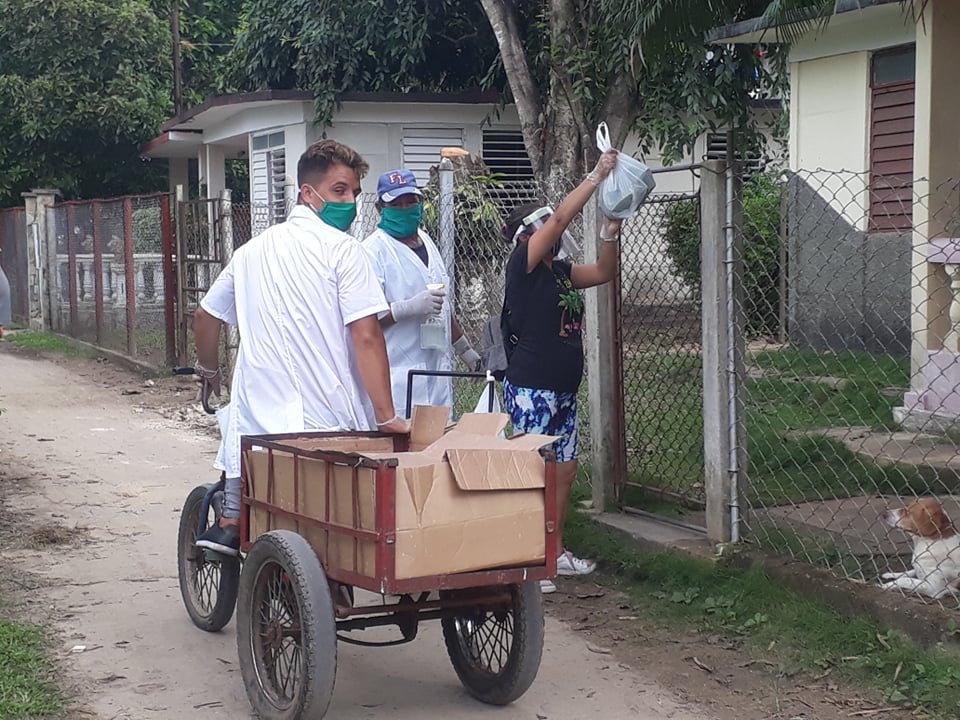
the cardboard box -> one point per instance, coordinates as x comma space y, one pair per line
467, 500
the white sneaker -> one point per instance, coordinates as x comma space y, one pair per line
547, 587
570, 564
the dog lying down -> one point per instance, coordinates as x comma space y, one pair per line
935, 567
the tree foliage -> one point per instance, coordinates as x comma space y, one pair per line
82, 84
208, 29
332, 47
641, 67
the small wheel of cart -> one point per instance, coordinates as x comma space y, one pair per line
496, 651
208, 581
286, 629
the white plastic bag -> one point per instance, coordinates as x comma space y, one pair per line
483, 404
628, 184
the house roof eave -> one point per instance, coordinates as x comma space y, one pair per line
756, 30
173, 144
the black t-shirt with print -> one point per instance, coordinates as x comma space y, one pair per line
545, 315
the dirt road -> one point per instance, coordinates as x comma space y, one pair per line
76, 451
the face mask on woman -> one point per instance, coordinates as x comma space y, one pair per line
401, 222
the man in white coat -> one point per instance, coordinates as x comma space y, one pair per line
420, 328
306, 303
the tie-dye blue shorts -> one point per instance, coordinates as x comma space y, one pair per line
544, 412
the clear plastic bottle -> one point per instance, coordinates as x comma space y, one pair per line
433, 334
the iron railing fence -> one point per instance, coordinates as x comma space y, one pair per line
110, 284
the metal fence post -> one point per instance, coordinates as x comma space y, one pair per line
447, 237
98, 270
603, 379
181, 273
129, 272
72, 242
169, 279
232, 339
721, 261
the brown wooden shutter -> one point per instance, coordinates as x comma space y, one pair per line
891, 155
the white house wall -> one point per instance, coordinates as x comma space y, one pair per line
881, 26
830, 103
829, 144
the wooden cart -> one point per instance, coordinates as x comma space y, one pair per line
296, 593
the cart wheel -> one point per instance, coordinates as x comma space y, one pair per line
208, 587
496, 652
286, 629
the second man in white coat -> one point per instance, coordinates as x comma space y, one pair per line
420, 329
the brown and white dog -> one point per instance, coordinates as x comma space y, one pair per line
935, 567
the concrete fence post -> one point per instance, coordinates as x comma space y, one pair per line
721, 260
39, 272
604, 391
447, 239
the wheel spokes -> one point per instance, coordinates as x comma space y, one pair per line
279, 634
487, 639
205, 578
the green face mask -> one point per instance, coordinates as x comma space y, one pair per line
401, 222
338, 214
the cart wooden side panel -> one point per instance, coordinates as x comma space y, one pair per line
348, 510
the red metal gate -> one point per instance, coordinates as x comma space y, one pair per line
13, 260
199, 258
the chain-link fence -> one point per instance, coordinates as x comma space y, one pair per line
843, 278
660, 343
109, 284
13, 260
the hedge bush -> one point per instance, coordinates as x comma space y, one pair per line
761, 246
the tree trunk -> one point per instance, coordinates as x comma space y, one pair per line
555, 132
620, 108
564, 133
526, 95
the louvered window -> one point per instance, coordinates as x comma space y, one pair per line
421, 148
267, 181
891, 139
717, 142
506, 155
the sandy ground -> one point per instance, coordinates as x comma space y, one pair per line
94, 465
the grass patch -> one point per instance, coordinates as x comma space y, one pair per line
810, 636
44, 342
27, 687
789, 391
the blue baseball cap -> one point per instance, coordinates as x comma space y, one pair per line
394, 183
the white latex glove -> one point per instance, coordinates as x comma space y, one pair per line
610, 229
470, 357
429, 302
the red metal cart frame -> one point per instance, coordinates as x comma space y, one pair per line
384, 535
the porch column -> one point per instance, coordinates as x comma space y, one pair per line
215, 175
178, 173
934, 365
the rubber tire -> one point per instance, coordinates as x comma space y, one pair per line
317, 621
226, 601
526, 650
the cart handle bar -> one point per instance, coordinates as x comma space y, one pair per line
486, 376
204, 389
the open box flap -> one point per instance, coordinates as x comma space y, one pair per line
485, 469
427, 424
491, 424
